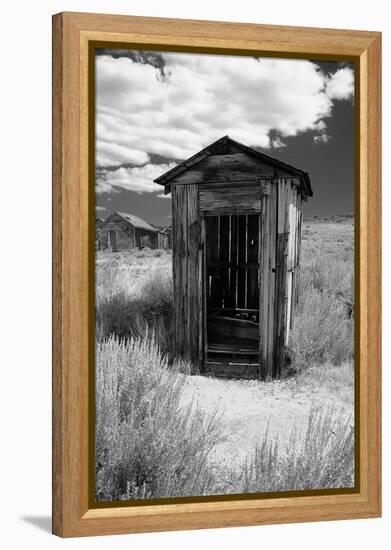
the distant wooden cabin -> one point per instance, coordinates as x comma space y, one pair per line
122, 231
236, 217
98, 230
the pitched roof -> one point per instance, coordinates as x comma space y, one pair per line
136, 221
223, 144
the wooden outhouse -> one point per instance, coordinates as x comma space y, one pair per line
236, 230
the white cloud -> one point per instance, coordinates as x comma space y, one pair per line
320, 125
163, 196
202, 98
99, 208
112, 154
322, 138
341, 84
103, 186
138, 179
277, 143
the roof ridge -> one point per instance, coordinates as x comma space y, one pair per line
165, 178
144, 224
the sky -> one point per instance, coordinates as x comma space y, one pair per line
155, 109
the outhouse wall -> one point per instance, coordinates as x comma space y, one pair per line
279, 203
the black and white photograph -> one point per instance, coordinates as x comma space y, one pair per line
224, 275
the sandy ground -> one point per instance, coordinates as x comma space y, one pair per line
248, 406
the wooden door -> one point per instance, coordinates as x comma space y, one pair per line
232, 257
113, 240
231, 280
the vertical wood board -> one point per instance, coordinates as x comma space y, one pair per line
194, 289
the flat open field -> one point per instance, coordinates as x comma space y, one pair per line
321, 343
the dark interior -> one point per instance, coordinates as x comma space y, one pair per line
232, 258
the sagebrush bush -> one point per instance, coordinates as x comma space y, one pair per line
322, 329
322, 459
148, 311
147, 445
114, 276
321, 332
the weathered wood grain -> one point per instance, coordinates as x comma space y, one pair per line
180, 268
187, 266
241, 259
230, 200
232, 301
212, 255
203, 338
273, 297
281, 303
233, 167
224, 259
252, 261
282, 283
233, 328
265, 365
291, 227
194, 267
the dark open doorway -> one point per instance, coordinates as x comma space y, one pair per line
112, 235
232, 272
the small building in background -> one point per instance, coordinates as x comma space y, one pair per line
98, 231
168, 232
162, 239
122, 231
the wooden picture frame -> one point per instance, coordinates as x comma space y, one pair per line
73, 33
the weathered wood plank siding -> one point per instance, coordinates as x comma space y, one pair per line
236, 200
290, 257
272, 274
281, 286
202, 338
125, 234
281, 304
194, 268
287, 261
179, 220
145, 238
236, 248
187, 267
296, 266
265, 278
234, 167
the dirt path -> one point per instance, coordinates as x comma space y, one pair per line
248, 406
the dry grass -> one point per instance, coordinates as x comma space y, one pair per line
147, 445
322, 458
125, 272
134, 302
323, 326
